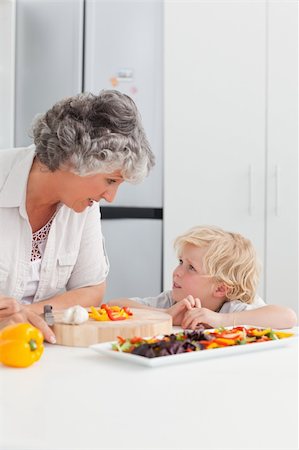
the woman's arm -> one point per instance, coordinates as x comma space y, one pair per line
8, 306
86, 296
11, 311
274, 316
130, 303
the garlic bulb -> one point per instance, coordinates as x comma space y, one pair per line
75, 315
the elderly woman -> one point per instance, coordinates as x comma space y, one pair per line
52, 249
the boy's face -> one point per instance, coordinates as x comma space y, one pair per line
190, 279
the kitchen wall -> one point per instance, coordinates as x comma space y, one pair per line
230, 112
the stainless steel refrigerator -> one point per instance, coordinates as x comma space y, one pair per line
55, 49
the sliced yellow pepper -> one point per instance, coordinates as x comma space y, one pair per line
212, 345
116, 308
261, 332
108, 313
100, 315
282, 334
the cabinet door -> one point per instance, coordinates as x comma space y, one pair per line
214, 120
282, 155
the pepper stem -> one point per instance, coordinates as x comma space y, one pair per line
32, 345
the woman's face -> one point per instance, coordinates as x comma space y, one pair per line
80, 192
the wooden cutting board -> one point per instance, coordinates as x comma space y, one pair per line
144, 323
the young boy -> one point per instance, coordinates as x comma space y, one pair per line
215, 284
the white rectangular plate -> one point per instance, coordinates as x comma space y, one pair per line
106, 349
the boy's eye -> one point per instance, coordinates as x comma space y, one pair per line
192, 268
180, 262
110, 181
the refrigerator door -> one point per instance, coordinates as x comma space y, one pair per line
124, 51
49, 49
134, 252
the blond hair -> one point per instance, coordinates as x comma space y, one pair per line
230, 258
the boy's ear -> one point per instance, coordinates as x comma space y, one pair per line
221, 290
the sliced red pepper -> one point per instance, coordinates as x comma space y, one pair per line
111, 314
121, 340
115, 316
262, 338
127, 310
205, 343
136, 339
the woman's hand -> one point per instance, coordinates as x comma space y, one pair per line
11, 311
8, 306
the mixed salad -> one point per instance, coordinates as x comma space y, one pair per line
193, 341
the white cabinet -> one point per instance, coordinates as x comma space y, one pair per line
230, 120
281, 264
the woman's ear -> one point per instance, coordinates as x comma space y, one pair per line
221, 290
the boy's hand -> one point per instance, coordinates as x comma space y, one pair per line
178, 310
194, 302
196, 316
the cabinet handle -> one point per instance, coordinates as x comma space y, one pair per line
250, 190
277, 185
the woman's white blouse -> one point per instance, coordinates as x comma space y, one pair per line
74, 255
32, 283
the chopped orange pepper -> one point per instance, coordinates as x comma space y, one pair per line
224, 341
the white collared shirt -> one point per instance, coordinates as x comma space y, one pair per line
74, 255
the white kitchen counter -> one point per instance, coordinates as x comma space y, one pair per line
75, 399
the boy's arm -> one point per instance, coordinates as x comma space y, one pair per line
274, 316
176, 311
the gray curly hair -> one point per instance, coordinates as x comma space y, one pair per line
89, 134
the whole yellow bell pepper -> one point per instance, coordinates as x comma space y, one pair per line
21, 345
